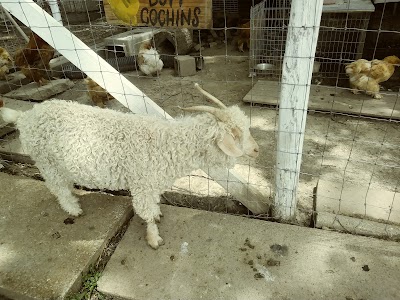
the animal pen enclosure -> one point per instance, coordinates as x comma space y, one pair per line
344, 177
341, 21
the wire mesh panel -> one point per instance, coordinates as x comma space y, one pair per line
268, 36
347, 156
341, 38
348, 139
356, 176
228, 6
348, 167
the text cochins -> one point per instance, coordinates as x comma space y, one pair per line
167, 15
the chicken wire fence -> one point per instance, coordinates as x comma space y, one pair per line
350, 159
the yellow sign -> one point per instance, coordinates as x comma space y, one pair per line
125, 10
194, 14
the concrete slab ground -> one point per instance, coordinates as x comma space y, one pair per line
13, 104
35, 92
42, 254
215, 256
349, 199
14, 81
356, 208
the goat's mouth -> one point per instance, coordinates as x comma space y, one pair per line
253, 155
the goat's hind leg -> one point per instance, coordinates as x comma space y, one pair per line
159, 213
147, 207
62, 189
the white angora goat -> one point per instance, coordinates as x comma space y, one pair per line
105, 149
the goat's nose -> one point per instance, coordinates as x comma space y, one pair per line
255, 153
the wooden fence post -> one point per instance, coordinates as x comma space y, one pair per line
301, 42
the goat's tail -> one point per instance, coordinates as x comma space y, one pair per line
9, 115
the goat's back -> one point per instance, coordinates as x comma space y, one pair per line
66, 122
73, 137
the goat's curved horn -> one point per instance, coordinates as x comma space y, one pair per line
212, 110
209, 96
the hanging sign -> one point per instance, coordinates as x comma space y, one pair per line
160, 13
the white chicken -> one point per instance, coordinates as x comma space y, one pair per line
148, 60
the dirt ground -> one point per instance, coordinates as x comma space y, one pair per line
338, 148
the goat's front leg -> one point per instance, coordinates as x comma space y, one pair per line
61, 188
147, 207
153, 236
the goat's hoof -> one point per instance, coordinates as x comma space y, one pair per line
155, 242
158, 218
378, 96
76, 212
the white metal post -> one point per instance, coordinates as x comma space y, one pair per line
301, 42
11, 19
78, 53
55, 10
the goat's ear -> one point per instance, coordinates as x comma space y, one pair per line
229, 146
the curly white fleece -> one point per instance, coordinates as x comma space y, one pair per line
105, 149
